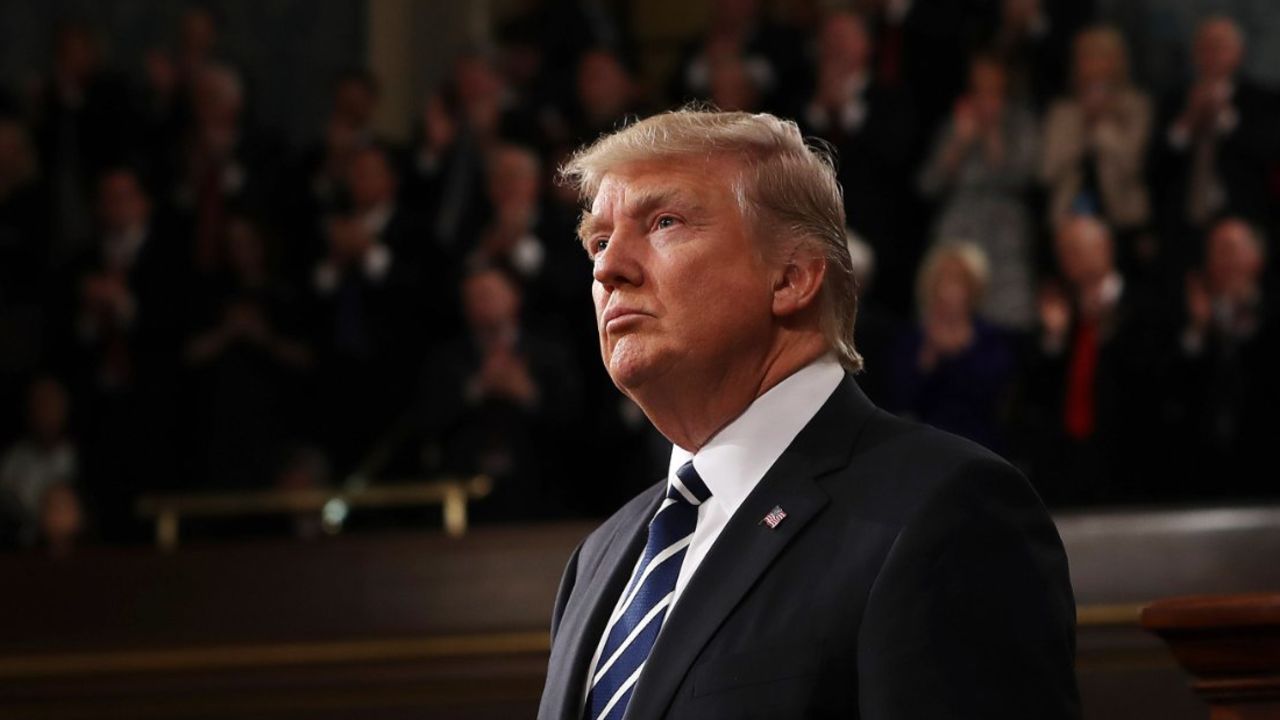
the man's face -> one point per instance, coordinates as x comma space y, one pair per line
681, 289
1084, 251
1218, 49
1234, 260
121, 202
370, 178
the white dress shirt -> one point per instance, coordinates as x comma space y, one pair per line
737, 457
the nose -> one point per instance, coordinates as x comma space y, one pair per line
620, 263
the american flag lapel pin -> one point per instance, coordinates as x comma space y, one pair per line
774, 518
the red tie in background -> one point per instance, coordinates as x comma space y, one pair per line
1078, 415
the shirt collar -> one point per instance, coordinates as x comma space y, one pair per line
738, 456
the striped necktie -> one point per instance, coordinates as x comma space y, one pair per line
634, 626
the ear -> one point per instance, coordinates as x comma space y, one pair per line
797, 285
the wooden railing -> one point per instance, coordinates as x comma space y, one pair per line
1231, 646
168, 511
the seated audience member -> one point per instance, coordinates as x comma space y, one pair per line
1229, 349
501, 402
45, 456
1214, 143
1094, 377
953, 370
871, 130
247, 364
367, 336
1095, 144
982, 167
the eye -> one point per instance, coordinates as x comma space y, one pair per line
665, 221
598, 246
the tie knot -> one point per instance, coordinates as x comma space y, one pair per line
687, 485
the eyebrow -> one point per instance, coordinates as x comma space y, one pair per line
638, 204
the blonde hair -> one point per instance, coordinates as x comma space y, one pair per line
786, 187
971, 258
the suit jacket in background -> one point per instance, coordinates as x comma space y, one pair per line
915, 575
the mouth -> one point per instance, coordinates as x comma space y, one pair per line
616, 317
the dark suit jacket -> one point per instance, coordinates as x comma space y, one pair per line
916, 575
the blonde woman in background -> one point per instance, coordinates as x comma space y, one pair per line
953, 369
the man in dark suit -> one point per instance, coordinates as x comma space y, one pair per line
809, 555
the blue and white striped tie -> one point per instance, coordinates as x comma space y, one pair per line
634, 627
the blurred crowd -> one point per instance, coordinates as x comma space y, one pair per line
1052, 260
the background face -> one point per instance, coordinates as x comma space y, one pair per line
672, 254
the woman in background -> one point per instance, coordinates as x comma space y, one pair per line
953, 369
982, 167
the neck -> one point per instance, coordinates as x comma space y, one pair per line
690, 410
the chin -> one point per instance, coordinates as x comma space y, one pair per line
631, 364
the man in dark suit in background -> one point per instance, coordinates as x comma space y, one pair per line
809, 555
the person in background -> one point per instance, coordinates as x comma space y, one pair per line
921, 47
220, 163
767, 53
1229, 345
1033, 38
246, 362
367, 334
46, 456
372, 185
324, 167
982, 168
1094, 375
510, 241
82, 126
131, 289
1095, 146
871, 129
170, 76
128, 309
731, 86
62, 523
1214, 143
515, 238
605, 93
444, 175
500, 401
953, 370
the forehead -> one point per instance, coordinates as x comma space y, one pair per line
703, 181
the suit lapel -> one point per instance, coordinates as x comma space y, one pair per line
746, 548
596, 592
